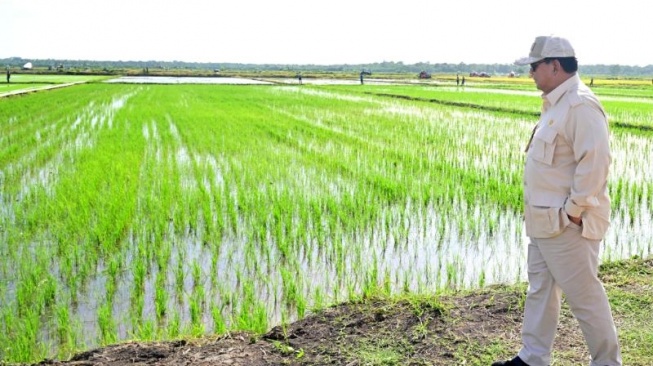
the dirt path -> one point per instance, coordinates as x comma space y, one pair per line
411, 333
41, 88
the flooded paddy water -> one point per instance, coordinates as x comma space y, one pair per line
145, 212
222, 80
185, 80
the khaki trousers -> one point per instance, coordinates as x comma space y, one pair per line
567, 263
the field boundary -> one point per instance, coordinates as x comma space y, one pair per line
42, 88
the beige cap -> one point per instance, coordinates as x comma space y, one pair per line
547, 46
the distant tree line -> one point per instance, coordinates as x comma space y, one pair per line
380, 67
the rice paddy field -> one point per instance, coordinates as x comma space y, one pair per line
150, 212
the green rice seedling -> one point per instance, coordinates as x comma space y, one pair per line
160, 297
173, 328
481, 280
107, 324
196, 275
179, 274
139, 274
219, 323
25, 337
195, 306
137, 302
7, 318
64, 325
147, 331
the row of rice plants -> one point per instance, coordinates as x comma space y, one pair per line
180, 210
508, 99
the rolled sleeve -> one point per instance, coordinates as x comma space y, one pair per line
573, 209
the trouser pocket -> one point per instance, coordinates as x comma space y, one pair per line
545, 222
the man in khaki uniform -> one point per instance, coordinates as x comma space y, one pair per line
567, 209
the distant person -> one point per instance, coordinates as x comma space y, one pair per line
592, 82
566, 210
457, 79
462, 82
8, 76
299, 78
362, 73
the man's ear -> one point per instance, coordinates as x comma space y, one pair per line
556, 66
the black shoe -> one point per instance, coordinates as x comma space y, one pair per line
514, 362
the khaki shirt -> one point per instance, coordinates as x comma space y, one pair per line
567, 164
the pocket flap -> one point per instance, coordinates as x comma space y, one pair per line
546, 134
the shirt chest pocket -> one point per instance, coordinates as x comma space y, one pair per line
543, 145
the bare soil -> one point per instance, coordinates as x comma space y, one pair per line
466, 328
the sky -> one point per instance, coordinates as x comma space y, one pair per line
322, 32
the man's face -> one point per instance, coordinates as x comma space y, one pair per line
542, 73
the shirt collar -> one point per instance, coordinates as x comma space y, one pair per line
554, 96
